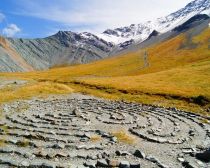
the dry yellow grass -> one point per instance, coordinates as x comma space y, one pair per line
23, 143
95, 138
205, 121
163, 56
4, 128
2, 143
177, 76
124, 137
33, 89
188, 81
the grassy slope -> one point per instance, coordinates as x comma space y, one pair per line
176, 76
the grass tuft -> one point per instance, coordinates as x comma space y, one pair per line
124, 137
95, 138
23, 143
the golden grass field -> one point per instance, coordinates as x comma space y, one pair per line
178, 76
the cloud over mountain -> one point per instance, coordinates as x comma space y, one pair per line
11, 30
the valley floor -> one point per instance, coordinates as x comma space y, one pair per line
141, 120
177, 76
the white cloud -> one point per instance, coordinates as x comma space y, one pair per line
2, 17
101, 14
11, 30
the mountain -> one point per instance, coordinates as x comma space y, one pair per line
140, 32
67, 48
63, 48
196, 24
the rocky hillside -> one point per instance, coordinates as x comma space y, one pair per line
59, 49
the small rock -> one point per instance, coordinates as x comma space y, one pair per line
105, 154
81, 147
205, 156
13, 141
56, 159
187, 164
122, 153
102, 163
99, 156
124, 164
25, 163
53, 132
114, 139
51, 155
43, 165
139, 154
75, 112
41, 153
61, 154
90, 164
180, 159
200, 163
58, 146
103, 134
84, 140
162, 140
113, 163
187, 151
94, 157
152, 159
191, 132
135, 165
86, 135
28, 155
82, 156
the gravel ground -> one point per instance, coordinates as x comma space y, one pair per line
76, 131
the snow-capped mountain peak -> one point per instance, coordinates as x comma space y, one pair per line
139, 32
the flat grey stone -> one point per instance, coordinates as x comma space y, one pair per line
102, 163
25, 163
90, 164
124, 164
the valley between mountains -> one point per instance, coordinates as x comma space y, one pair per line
157, 114
131, 97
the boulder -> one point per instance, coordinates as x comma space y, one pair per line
102, 163
205, 156
122, 153
124, 164
135, 165
187, 164
181, 159
113, 163
114, 139
25, 163
139, 154
90, 164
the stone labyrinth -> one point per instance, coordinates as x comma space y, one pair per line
77, 131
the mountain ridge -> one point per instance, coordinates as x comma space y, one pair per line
140, 32
67, 48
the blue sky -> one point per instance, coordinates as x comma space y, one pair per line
41, 18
